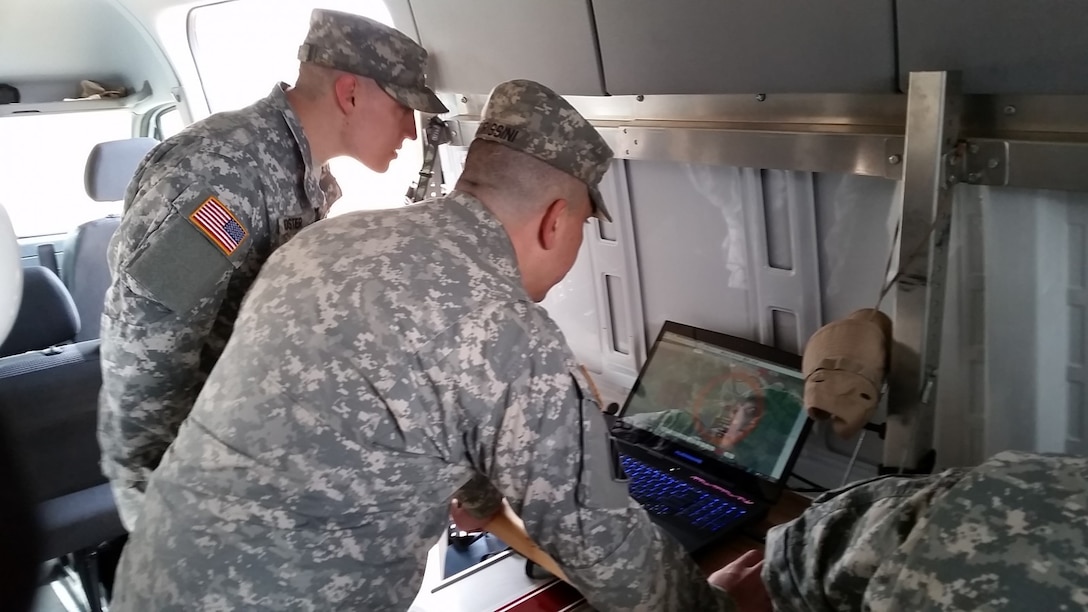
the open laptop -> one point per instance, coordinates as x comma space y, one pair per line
710, 431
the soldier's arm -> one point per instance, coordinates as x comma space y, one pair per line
824, 559
541, 439
169, 284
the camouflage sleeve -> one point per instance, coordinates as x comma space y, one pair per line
825, 558
170, 277
1012, 535
544, 445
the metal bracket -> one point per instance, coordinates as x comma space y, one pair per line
972, 161
437, 133
985, 162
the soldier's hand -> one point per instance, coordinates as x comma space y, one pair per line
741, 579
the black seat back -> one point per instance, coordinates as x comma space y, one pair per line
49, 403
47, 315
86, 272
49, 409
49, 393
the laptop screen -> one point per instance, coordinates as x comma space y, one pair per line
710, 394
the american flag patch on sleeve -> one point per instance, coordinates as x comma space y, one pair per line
220, 225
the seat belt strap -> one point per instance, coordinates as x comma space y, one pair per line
47, 257
436, 134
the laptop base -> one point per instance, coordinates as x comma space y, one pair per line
701, 516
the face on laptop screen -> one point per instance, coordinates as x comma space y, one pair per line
739, 409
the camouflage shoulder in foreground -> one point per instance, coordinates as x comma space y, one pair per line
1011, 534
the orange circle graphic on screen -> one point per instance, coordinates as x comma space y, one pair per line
735, 420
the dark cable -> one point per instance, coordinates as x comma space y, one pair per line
817, 488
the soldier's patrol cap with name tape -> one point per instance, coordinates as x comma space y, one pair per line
528, 117
365, 47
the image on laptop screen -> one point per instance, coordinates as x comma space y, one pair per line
739, 409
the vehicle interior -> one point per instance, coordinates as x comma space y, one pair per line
778, 166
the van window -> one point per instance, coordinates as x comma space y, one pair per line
168, 123
242, 48
42, 164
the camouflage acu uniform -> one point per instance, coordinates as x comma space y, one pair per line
382, 360
203, 213
1011, 534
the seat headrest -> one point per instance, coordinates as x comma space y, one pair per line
47, 315
111, 166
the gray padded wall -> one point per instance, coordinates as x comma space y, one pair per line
477, 45
1001, 46
746, 46
698, 260
855, 236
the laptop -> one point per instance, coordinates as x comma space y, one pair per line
709, 432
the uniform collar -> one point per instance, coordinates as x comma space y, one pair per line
322, 190
492, 240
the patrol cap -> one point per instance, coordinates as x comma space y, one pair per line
365, 47
528, 117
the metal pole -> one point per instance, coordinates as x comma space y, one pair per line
931, 164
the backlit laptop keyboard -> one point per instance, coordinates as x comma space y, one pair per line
668, 496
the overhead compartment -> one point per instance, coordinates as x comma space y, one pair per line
746, 46
1000, 46
53, 97
48, 48
476, 45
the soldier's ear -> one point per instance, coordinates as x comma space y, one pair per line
346, 90
551, 224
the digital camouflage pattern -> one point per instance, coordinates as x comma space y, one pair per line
1011, 534
365, 47
528, 117
178, 278
382, 360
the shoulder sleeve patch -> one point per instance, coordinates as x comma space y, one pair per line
179, 269
220, 225
597, 486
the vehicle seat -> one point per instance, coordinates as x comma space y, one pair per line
110, 167
49, 406
47, 315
